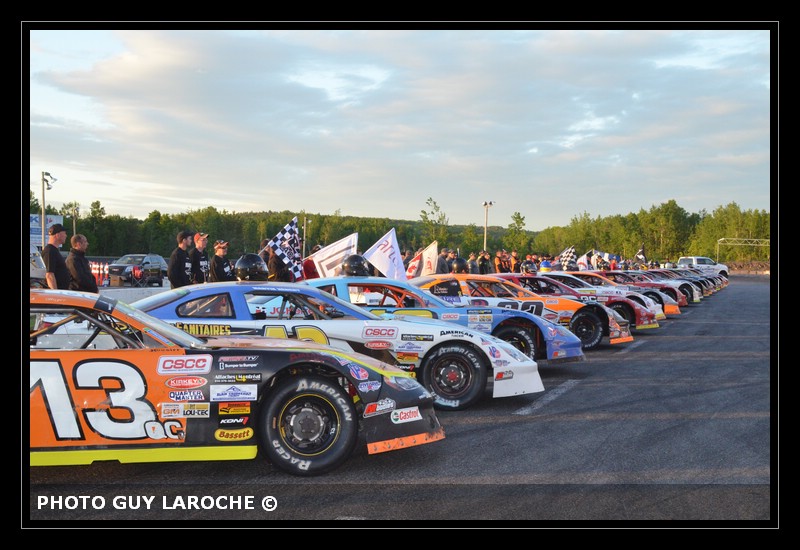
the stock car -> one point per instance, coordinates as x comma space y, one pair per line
684, 293
654, 292
535, 336
109, 382
639, 317
457, 365
590, 322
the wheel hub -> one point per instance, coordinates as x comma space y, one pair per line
306, 424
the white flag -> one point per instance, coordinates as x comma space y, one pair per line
385, 255
414, 266
429, 258
329, 259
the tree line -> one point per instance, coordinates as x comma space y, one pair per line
666, 231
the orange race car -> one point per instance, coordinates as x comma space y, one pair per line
589, 321
110, 382
670, 303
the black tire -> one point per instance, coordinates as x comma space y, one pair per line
587, 326
308, 425
456, 376
520, 338
655, 296
626, 312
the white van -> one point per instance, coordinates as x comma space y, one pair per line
38, 269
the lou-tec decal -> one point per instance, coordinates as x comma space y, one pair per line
185, 410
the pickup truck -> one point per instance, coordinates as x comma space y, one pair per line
704, 264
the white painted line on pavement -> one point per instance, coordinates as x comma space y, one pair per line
547, 398
629, 347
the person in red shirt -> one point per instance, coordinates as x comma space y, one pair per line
309, 267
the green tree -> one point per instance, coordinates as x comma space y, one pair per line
434, 224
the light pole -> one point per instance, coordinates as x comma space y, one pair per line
486, 206
305, 221
47, 180
75, 211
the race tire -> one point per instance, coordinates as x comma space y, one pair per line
625, 312
456, 376
522, 339
587, 326
655, 296
308, 425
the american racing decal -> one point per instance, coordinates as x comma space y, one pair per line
378, 344
456, 333
237, 407
371, 385
205, 330
379, 407
417, 337
238, 362
233, 435
231, 422
185, 410
184, 364
186, 382
244, 392
379, 332
188, 395
237, 378
400, 416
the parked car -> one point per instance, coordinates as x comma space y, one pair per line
109, 382
138, 270
589, 321
38, 269
535, 336
456, 364
704, 264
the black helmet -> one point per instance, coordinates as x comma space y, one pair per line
459, 265
251, 267
527, 266
355, 266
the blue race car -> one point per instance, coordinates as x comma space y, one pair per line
536, 337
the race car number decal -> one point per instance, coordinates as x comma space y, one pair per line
309, 333
110, 397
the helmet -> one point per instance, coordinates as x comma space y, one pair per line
527, 266
355, 266
251, 267
545, 266
459, 265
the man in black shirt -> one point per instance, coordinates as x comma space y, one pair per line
78, 265
199, 257
220, 268
179, 270
57, 275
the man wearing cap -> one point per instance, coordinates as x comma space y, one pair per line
220, 268
57, 275
441, 262
199, 257
472, 262
179, 270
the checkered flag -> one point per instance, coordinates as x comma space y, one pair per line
640, 255
567, 256
286, 245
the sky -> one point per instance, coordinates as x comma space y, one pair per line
372, 122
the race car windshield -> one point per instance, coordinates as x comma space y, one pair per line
175, 334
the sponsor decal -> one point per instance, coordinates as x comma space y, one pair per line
550, 301
480, 312
408, 346
401, 416
235, 407
205, 330
238, 362
184, 364
371, 385
378, 344
233, 435
379, 332
230, 422
237, 378
501, 363
244, 392
552, 317
187, 395
358, 372
449, 316
417, 337
379, 407
504, 375
494, 352
479, 327
185, 410
186, 382
407, 357
456, 333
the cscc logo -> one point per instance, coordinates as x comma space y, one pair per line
379, 332
185, 364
